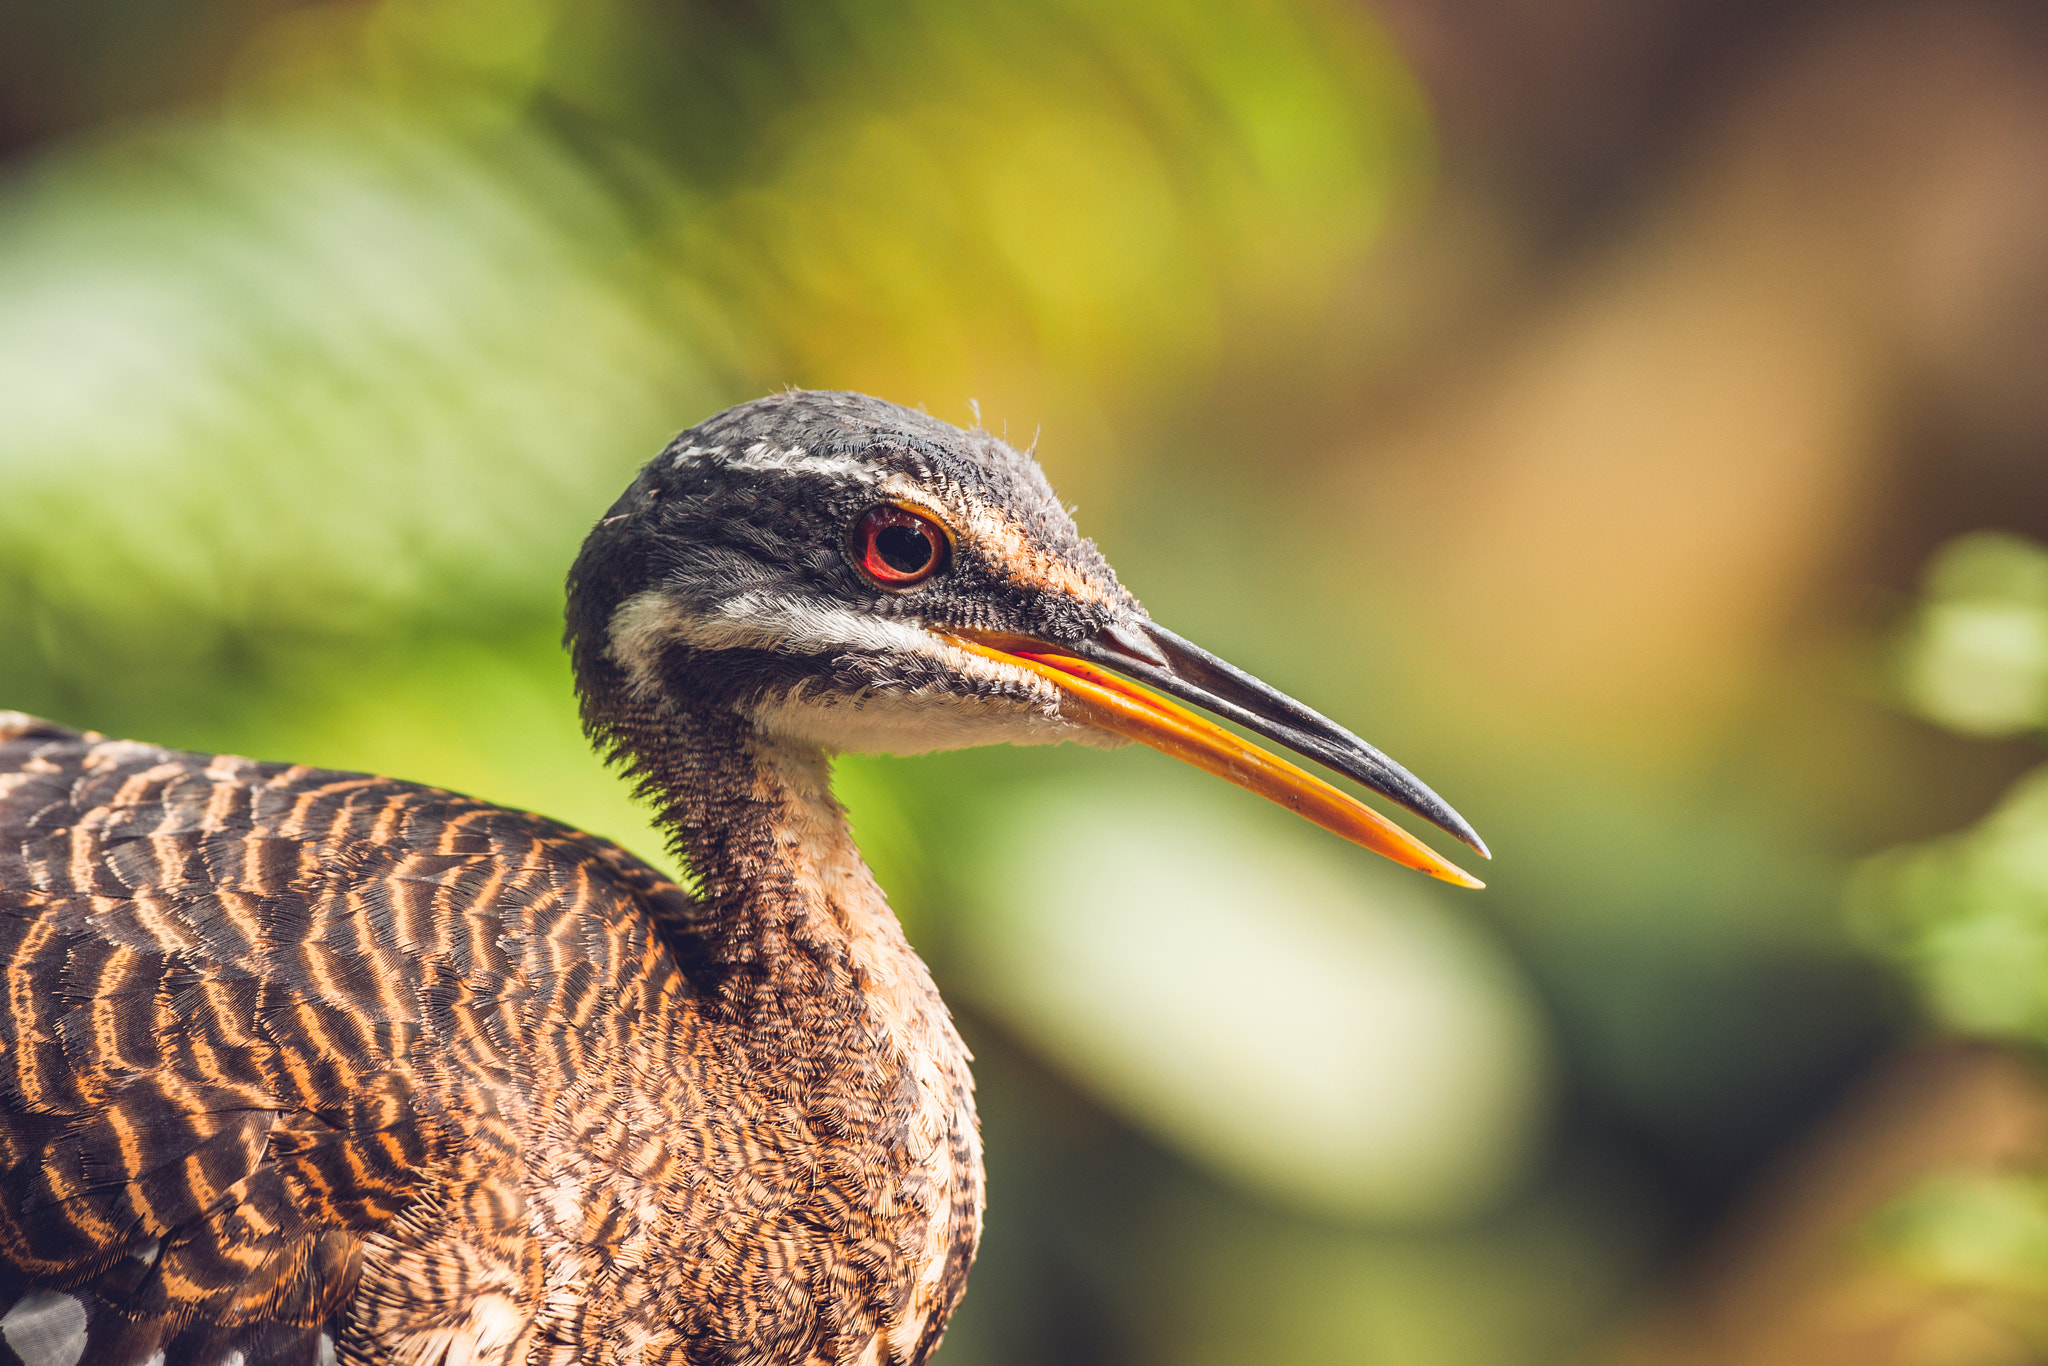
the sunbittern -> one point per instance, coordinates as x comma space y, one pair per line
303, 1067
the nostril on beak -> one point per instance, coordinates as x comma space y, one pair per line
1133, 642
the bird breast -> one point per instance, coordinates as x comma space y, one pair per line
806, 1170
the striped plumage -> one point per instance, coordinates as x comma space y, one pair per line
293, 1052
300, 1066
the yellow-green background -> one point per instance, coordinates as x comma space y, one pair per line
1567, 398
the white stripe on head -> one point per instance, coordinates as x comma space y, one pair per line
762, 458
888, 721
761, 619
690, 454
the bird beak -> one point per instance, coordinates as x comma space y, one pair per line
1092, 695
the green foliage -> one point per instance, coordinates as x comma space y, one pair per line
1967, 915
1974, 1232
1980, 1240
1977, 660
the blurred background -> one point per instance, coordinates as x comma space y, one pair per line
1634, 416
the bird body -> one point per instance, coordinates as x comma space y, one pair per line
295, 1053
302, 1067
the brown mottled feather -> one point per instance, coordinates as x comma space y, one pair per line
311, 1066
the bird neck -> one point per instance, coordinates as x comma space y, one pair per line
788, 913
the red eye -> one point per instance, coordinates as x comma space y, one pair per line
897, 547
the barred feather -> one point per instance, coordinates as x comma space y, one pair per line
300, 1066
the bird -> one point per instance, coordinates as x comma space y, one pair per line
302, 1067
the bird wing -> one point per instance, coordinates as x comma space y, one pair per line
262, 1047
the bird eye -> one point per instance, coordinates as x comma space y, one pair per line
898, 548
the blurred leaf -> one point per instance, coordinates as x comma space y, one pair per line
313, 376
1970, 1231
1271, 1003
1967, 915
1977, 656
1981, 667
1990, 566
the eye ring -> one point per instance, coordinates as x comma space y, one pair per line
897, 547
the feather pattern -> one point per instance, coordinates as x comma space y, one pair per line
300, 1066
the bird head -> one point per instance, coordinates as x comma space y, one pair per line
854, 576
